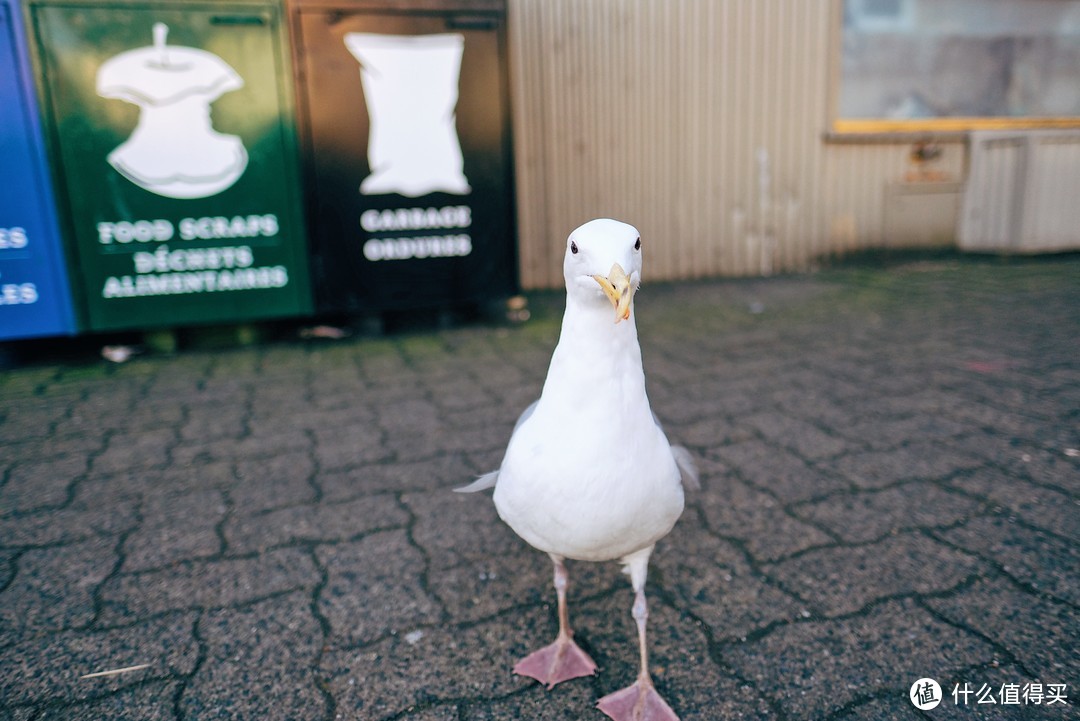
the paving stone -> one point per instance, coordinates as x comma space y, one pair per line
338, 410
875, 469
7, 567
1020, 419
73, 523
448, 712
320, 523
446, 471
208, 423
176, 479
349, 446
57, 445
1034, 630
1048, 564
569, 701
1046, 508
678, 659
249, 651
1027, 461
843, 579
421, 443
474, 530
894, 706
807, 440
803, 379
735, 510
40, 484
143, 449
929, 404
778, 471
375, 586
445, 663
149, 701
48, 668
251, 446
868, 515
174, 528
818, 667
482, 588
401, 414
33, 420
706, 433
697, 399
53, 588
460, 393
890, 432
207, 584
714, 581
101, 415
273, 482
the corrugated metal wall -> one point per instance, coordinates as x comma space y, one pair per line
699, 121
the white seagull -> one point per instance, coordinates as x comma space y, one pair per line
589, 474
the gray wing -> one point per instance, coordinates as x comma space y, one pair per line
488, 480
685, 462
525, 415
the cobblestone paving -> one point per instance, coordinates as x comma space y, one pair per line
891, 489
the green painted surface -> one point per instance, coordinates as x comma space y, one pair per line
173, 143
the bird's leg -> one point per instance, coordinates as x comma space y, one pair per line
563, 659
639, 701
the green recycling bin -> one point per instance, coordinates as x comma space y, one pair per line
170, 127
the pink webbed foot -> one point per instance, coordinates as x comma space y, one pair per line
561, 661
639, 702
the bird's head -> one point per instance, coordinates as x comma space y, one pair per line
603, 263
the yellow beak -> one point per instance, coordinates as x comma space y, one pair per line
617, 288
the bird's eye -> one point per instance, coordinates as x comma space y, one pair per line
573, 247
637, 244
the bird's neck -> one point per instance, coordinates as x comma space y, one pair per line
595, 358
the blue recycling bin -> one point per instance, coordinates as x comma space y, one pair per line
34, 295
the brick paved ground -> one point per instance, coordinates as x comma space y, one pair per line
891, 491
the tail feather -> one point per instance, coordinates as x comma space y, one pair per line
687, 468
482, 483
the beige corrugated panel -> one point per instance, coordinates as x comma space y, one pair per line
700, 122
856, 176
697, 120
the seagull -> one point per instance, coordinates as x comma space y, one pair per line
588, 473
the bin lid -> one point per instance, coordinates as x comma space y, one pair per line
161, 74
394, 6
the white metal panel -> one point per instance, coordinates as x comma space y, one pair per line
1051, 220
1022, 192
990, 215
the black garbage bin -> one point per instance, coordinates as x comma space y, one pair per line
405, 130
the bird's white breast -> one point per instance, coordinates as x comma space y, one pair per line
589, 482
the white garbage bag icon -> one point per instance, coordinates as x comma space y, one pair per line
174, 151
411, 87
